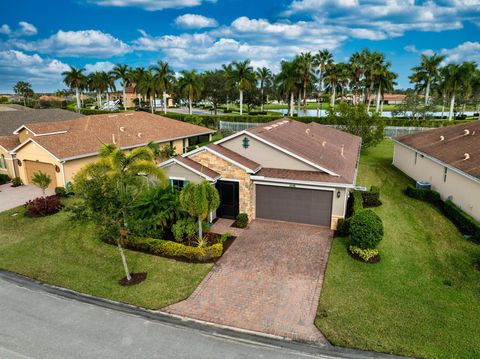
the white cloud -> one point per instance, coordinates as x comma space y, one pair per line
150, 5
26, 29
19, 66
194, 21
383, 19
86, 43
411, 48
468, 51
5, 29
99, 66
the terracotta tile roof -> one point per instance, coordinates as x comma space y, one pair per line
295, 175
326, 147
251, 165
9, 142
85, 135
198, 167
130, 88
11, 120
457, 141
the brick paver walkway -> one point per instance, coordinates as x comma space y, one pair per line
268, 281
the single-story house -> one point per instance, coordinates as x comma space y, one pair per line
447, 157
390, 98
281, 170
131, 95
62, 148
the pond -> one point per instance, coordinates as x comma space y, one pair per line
313, 113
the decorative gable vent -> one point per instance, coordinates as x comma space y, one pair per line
245, 142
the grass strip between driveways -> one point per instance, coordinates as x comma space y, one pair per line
422, 299
57, 251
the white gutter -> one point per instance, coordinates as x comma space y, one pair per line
308, 183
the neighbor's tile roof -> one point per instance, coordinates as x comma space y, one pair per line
9, 142
326, 147
11, 120
85, 135
313, 176
457, 141
251, 165
198, 167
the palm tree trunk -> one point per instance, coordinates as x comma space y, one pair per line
332, 99
189, 105
452, 105
379, 94
427, 92
227, 103
200, 229
151, 104
443, 104
305, 96
241, 102
124, 261
381, 107
124, 99
369, 98
164, 94
108, 100
261, 107
77, 95
291, 103
319, 98
299, 102
99, 99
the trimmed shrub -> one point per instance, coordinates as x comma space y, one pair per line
161, 247
357, 202
17, 182
371, 198
464, 222
424, 194
366, 229
60, 191
242, 220
343, 227
184, 230
43, 206
224, 237
365, 254
88, 111
4, 178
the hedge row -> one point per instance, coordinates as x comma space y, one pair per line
172, 249
212, 120
464, 222
354, 205
89, 111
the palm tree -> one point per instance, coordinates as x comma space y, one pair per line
244, 78
23, 89
373, 64
452, 77
109, 79
228, 72
164, 77
304, 63
323, 60
384, 80
265, 76
190, 86
74, 79
147, 88
428, 72
332, 77
287, 82
121, 72
126, 173
135, 76
199, 200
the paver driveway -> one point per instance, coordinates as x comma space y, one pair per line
11, 197
268, 281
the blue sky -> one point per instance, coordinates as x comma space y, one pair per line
40, 38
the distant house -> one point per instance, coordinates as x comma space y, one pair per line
448, 158
62, 148
282, 170
131, 95
390, 99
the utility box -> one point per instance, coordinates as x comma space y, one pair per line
424, 185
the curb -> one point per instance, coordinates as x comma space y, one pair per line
255, 338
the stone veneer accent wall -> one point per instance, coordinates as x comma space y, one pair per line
229, 171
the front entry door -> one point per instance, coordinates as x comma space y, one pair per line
228, 199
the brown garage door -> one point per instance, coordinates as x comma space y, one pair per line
294, 204
47, 168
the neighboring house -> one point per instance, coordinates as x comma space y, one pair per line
11, 120
62, 148
131, 95
8, 164
390, 99
282, 170
448, 158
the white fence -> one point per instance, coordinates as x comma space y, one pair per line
389, 131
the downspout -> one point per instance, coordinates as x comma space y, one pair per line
63, 173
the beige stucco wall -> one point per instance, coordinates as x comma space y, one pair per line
266, 155
464, 191
178, 172
72, 167
24, 135
229, 171
9, 161
33, 152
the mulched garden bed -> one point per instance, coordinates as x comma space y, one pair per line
372, 260
234, 225
135, 279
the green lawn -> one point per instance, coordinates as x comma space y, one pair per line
423, 298
57, 251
